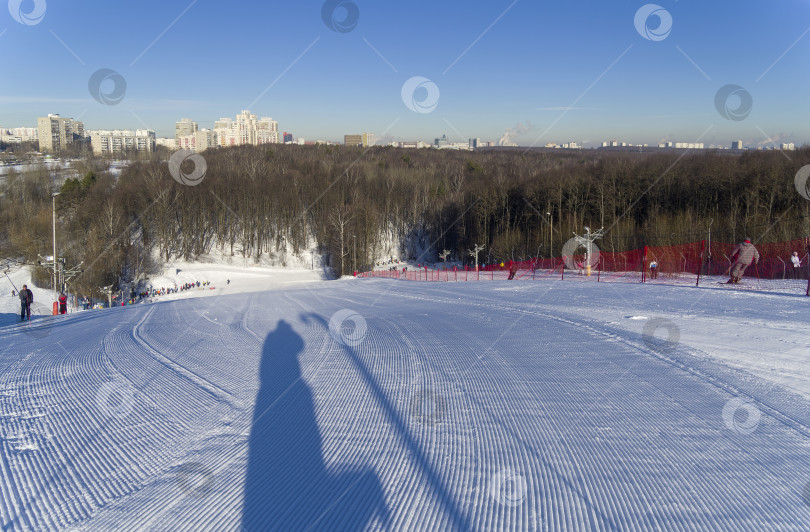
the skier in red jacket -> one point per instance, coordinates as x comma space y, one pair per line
512, 270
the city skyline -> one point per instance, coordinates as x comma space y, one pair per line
529, 74
249, 129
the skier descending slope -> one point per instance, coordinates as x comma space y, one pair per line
26, 298
742, 257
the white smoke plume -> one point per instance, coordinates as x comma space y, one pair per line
512, 133
774, 139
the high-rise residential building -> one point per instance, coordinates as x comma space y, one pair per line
198, 141
166, 143
789, 146
736, 145
18, 135
222, 132
106, 142
369, 139
56, 133
352, 140
247, 128
184, 128
288, 137
475, 143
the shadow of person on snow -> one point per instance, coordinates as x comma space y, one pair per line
287, 485
453, 517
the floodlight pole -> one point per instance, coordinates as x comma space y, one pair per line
478, 249
586, 241
588, 249
443, 255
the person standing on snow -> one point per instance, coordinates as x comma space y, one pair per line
797, 264
654, 269
741, 258
26, 298
62, 303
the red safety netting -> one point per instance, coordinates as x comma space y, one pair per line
691, 263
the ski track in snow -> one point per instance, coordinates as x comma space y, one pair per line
485, 406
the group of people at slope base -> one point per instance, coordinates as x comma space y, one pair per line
27, 297
162, 291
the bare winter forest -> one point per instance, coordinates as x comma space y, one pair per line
349, 204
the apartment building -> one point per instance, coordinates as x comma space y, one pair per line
56, 133
105, 142
18, 135
198, 141
183, 128
247, 128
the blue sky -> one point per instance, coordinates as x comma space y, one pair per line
497, 65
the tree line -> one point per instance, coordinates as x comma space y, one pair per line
356, 206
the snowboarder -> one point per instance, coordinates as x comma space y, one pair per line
742, 257
62, 303
26, 298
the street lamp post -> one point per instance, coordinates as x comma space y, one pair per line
55, 294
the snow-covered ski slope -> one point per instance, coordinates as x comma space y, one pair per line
394, 405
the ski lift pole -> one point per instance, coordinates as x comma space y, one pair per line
588, 242
9, 280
